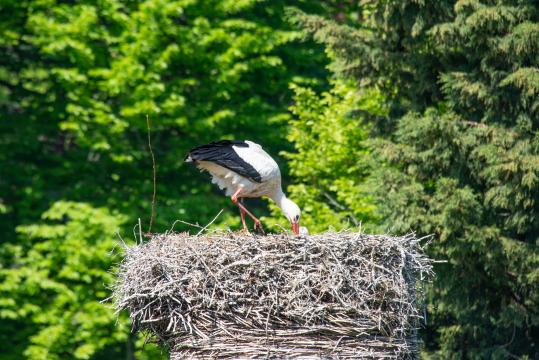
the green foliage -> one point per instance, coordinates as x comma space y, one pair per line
62, 266
77, 81
84, 77
332, 161
434, 130
460, 81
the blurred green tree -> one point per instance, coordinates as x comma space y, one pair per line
77, 80
331, 161
53, 291
461, 83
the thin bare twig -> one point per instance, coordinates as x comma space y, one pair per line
182, 222
154, 173
341, 207
211, 222
140, 230
475, 124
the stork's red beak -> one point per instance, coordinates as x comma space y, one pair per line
295, 228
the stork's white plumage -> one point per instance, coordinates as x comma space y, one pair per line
244, 169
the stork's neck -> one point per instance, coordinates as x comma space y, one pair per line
290, 209
279, 197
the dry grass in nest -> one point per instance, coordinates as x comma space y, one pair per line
230, 295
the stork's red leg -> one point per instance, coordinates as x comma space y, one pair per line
242, 214
257, 222
243, 209
234, 196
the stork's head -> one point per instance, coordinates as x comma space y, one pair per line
292, 213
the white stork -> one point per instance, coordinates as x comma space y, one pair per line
244, 169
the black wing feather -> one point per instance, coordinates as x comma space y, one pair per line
222, 153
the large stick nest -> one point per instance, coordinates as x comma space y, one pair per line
229, 295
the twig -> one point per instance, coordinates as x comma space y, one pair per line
139, 230
341, 207
475, 124
183, 222
154, 173
333, 201
211, 222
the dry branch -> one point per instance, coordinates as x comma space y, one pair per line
154, 173
337, 295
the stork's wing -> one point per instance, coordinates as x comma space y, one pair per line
222, 153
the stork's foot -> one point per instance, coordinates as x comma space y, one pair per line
258, 227
245, 232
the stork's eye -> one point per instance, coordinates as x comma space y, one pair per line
296, 218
